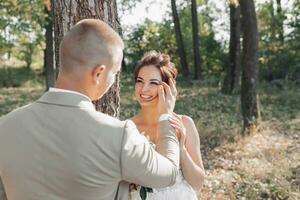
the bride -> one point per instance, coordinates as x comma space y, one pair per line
154, 68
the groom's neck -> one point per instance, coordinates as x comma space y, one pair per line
67, 84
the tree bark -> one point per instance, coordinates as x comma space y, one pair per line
249, 62
280, 21
179, 41
48, 52
67, 14
197, 58
232, 77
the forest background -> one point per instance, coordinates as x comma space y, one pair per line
239, 78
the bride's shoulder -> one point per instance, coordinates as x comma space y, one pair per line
186, 120
189, 125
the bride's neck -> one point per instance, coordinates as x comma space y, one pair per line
149, 115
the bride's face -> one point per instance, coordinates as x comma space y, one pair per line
146, 86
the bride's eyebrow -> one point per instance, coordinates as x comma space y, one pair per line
139, 78
155, 80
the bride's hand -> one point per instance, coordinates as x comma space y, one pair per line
176, 122
166, 97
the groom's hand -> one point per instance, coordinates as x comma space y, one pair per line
166, 97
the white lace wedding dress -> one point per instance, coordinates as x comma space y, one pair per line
181, 190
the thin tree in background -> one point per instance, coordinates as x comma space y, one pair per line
197, 58
249, 100
67, 14
179, 41
49, 69
232, 77
270, 43
280, 18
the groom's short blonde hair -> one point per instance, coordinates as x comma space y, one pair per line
89, 43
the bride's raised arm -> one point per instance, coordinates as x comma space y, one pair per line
190, 155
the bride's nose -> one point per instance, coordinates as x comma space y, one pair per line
145, 87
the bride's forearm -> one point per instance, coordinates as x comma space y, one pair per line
193, 173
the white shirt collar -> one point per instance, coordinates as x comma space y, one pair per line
52, 89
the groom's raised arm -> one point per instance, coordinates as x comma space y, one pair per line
141, 164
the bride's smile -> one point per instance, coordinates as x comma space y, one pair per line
146, 97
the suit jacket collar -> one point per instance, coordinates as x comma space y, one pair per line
66, 99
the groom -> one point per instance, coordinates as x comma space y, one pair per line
61, 148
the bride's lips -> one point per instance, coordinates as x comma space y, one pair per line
146, 97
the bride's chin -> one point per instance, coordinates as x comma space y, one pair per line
147, 103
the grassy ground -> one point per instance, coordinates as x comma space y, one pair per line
261, 166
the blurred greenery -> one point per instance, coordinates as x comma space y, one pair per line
22, 26
22, 29
278, 58
15, 77
217, 116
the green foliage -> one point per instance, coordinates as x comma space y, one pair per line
279, 59
161, 37
17, 77
21, 28
150, 36
253, 189
279, 100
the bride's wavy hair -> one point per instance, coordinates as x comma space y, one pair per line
159, 60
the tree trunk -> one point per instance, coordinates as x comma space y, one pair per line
270, 48
67, 14
249, 62
232, 77
179, 41
48, 52
197, 58
280, 21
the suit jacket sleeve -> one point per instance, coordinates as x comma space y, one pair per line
141, 164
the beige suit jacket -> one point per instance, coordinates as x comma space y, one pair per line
61, 148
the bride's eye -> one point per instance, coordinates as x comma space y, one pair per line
154, 83
138, 81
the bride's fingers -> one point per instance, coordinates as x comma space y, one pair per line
173, 119
161, 94
179, 129
177, 116
176, 126
172, 87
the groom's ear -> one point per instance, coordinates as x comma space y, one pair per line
97, 72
